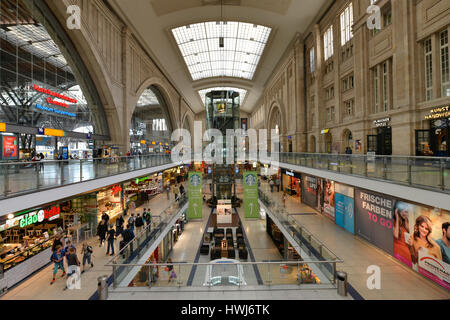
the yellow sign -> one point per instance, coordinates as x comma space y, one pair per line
2, 127
53, 132
143, 141
325, 131
153, 142
439, 113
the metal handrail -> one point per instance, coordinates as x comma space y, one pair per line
181, 202
302, 227
215, 264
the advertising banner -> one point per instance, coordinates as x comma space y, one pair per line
195, 206
10, 148
373, 218
421, 238
224, 214
251, 206
344, 208
328, 199
309, 194
345, 212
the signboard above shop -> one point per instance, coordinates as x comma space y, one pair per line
382, 122
439, 113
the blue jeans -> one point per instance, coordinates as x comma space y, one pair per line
110, 245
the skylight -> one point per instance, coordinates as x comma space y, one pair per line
242, 92
147, 98
243, 46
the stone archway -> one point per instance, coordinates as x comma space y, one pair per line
312, 144
275, 122
347, 140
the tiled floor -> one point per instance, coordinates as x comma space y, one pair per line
397, 281
38, 286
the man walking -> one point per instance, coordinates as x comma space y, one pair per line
110, 239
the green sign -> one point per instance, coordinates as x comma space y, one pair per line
141, 179
251, 206
195, 206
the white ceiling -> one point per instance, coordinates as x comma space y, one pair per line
152, 21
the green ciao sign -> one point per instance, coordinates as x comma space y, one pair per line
195, 206
251, 206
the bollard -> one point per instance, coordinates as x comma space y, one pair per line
102, 288
342, 283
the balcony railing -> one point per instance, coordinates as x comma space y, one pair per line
18, 178
423, 172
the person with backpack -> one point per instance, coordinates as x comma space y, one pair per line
57, 258
148, 217
110, 238
101, 231
87, 252
139, 223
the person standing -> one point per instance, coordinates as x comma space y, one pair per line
271, 183
57, 242
168, 192
66, 250
277, 183
87, 251
139, 223
101, 231
131, 222
444, 243
119, 225
72, 263
284, 199
58, 262
110, 238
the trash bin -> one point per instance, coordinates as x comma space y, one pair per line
342, 283
102, 288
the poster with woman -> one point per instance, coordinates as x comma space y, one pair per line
328, 198
421, 240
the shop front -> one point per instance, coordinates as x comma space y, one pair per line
143, 189
109, 200
310, 190
435, 141
381, 142
291, 183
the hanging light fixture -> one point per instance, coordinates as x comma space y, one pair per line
221, 38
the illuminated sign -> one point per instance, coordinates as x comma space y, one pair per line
10, 145
2, 127
116, 188
439, 113
39, 216
53, 132
54, 94
61, 112
143, 141
290, 173
382, 122
325, 131
141, 179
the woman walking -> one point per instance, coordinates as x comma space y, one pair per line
101, 231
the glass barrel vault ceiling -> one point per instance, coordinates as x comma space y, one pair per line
242, 92
243, 46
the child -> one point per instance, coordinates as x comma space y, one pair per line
72, 263
57, 258
87, 253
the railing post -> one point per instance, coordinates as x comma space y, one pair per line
114, 276
38, 182
150, 276
366, 163
409, 170
334, 272
385, 168
442, 174
6, 191
61, 165
81, 170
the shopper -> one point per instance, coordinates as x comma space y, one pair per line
139, 223
148, 217
87, 252
110, 238
101, 231
181, 190
168, 192
72, 261
58, 263
105, 217
57, 242
119, 225
283, 198
131, 222
271, 183
277, 183
67, 248
170, 270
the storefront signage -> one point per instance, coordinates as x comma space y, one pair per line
195, 206
138, 180
39, 216
309, 192
382, 122
61, 112
325, 131
53, 132
439, 113
143, 142
290, 173
2, 127
116, 188
54, 94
